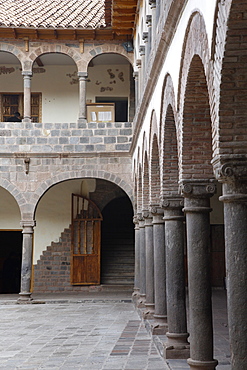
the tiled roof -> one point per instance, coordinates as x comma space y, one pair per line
52, 13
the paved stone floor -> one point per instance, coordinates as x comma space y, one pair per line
90, 331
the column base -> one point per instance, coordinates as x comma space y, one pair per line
25, 298
149, 312
202, 365
26, 120
177, 346
82, 120
141, 301
136, 295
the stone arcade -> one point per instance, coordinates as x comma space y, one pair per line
138, 108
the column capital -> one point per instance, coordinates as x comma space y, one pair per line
229, 168
198, 188
82, 75
149, 20
145, 39
142, 50
157, 213
135, 75
152, 3
138, 63
28, 226
172, 202
27, 73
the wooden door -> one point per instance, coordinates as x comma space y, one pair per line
85, 241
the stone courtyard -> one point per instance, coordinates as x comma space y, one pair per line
96, 331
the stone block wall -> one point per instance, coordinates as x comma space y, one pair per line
88, 137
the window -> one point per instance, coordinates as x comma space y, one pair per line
13, 102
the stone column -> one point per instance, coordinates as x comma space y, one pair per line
152, 3
135, 75
26, 267
149, 304
27, 75
139, 65
82, 97
177, 345
234, 177
197, 207
160, 311
143, 65
141, 302
136, 292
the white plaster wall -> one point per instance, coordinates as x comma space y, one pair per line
102, 84
10, 216
59, 88
53, 213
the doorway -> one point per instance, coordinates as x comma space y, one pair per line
117, 247
10, 261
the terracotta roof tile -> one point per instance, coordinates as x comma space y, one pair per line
52, 13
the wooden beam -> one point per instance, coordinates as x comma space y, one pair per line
39, 62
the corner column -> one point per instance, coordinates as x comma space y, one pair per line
26, 266
233, 174
136, 292
160, 311
82, 97
177, 345
149, 304
197, 208
27, 75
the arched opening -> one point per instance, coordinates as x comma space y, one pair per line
11, 96
110, 82
52, 236
155, 173
11, 244
170, 159
55, 89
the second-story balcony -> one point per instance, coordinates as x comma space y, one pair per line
63, 110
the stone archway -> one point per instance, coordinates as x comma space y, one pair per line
52, 237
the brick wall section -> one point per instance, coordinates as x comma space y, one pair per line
65, 137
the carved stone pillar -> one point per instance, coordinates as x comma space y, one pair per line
136, 292
149, 304
197, 207
27, 75
233, 175
177, 345
82, 97
141, 302
160, 311
26, 267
